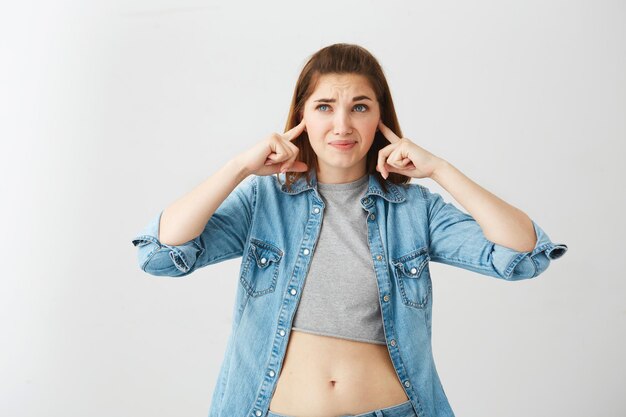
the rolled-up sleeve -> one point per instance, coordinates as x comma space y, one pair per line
224, 237
456, 238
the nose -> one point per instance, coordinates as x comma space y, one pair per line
342, 124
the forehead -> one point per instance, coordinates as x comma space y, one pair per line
331, 85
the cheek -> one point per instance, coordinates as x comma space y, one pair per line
316, 127
369, 130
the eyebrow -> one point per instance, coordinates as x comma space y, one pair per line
332, 100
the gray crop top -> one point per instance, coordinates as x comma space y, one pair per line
340, 294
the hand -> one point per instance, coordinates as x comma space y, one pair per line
404, 157
274, 154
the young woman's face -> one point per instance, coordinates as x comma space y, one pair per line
341, 118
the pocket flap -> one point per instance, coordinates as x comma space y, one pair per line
412, 264
264, 252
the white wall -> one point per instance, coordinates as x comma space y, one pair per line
110, 110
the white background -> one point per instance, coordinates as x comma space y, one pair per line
111, 110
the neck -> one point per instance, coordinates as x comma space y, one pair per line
335, 175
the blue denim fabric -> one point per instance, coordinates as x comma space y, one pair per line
274, 230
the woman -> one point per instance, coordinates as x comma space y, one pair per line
332, 316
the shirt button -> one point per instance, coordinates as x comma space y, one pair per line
413, 270
316, 210
271, 373
306, 251
282, 332
407, 384
263, 261
379, 257
386, 298
293, 291
372, 216
393, 342
257, 413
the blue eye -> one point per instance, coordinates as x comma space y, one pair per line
358, 105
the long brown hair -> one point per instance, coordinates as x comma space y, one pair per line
343, 58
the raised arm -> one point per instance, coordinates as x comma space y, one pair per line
212, 222
208, 225
494, 239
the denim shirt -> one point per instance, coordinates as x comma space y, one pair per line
275, 231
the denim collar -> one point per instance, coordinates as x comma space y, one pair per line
394, 193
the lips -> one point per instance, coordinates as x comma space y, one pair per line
342, 142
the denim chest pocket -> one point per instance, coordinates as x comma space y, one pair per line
413, 277
260, 269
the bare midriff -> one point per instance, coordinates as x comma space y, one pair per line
326, 376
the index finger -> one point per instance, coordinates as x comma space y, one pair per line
295, 131
388, 133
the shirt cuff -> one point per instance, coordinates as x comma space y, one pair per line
514, 265
157, 258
